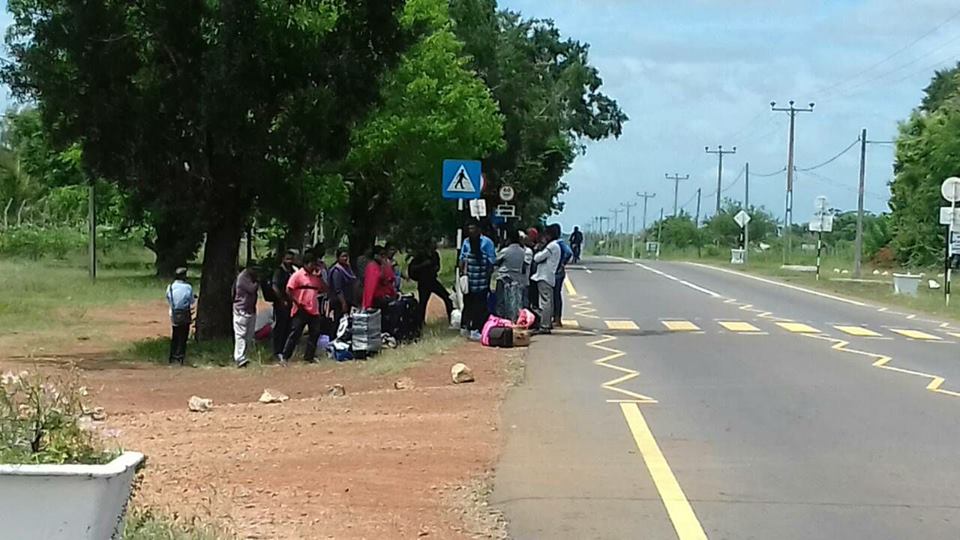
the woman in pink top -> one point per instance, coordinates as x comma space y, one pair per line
304, 288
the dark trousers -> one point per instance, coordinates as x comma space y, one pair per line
427, 287
315, 326
475, 313
281, 327
178, 343
558, 298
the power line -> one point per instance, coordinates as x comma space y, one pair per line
768, 175
831, 160
735, 180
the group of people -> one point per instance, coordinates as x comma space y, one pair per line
529, 270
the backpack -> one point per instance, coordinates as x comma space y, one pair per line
269, 294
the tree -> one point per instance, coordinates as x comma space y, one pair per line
206, 102
679, 231
723, 230
548, 93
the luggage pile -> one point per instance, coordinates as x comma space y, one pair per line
363, 334
504, 333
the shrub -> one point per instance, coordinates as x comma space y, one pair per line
44, 421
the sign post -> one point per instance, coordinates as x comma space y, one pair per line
822, 222
461, 180
950, 189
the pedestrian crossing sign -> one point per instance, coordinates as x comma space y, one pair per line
461, 179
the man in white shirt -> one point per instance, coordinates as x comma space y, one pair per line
545, 278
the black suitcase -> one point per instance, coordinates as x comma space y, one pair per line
403, 319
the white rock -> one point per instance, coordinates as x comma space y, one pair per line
273, 396
876, 272
933, 284
405, 383
199, 404
461, 374
836, 270
885, 273
336, 390
844, 271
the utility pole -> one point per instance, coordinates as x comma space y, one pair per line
858, 244
676, 188
696, 225
720, 152
659, 233
92, 218
645, 196
633, 236
788, 211
746, 208
616, 223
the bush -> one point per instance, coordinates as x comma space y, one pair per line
35, 243
144, 524
45, 422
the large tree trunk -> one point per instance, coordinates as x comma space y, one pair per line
214, 314
175, 245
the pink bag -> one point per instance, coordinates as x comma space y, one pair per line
493, 322
526, 319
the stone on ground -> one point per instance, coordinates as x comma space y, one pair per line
199, 404
336, 390
272, 396
461, 374
405, 383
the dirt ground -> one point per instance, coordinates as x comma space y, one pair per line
379, 463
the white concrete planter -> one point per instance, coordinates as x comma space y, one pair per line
906, 284
68, 502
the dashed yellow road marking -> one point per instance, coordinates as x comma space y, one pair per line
954, 334
798, 328
684, 520
916, 334
680, 326
739, 327
570, 323
582, 307
621, 325
858, 331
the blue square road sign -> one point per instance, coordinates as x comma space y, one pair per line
462, 179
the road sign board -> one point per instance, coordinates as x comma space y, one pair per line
478, 208
945, 218
742, 218
507, 193
822, 223
461, 179
507, 211
950, 189
821, 204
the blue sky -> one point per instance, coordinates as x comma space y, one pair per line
693, 73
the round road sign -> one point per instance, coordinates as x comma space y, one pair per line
950, 189
507, 194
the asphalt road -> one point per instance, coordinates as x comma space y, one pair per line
696, 403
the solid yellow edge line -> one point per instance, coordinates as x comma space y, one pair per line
685, 521
571, 290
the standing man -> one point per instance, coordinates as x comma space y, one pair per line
424, 268
545, 278
181, 300
576, 243
304, 289
477, 257
566, 255
245, 289
281, 308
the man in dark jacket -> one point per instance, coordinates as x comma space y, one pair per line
281, 307
424, 268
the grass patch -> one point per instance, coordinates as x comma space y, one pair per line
144, 524
437, 338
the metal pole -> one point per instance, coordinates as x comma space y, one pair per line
819, 247
696, 225
92, 218
659, 233
858, 243
746, 208
949, 273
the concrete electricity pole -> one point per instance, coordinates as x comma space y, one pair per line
720, 152
788, 212
676, 188
646, 196
633, 236
746, 208
858, 244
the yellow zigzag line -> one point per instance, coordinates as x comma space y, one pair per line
628, 373
881, 361
583, 307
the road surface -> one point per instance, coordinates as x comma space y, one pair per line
688, 402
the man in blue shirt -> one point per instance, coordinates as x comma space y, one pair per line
566, 255
180, 299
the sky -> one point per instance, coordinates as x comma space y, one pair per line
697, 73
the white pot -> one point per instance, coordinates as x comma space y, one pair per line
68, 502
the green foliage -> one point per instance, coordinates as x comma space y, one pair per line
721, 229
676, 231
42, 422
145, 524
877, 235
35, 243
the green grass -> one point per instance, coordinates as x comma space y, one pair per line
146, 525
437, 338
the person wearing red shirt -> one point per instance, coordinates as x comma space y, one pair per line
304, 289
379, 281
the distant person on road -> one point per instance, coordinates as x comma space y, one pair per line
576, 244
566, 255
424, 268
547, 259
343, 286
379, 281
512, 276
304, 289
245, 290
477, 257
282, 305
180, 299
